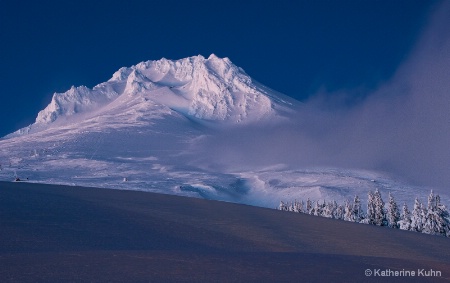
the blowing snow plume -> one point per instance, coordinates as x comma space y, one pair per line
402, 128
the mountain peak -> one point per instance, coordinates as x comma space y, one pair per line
211, 89
212, 56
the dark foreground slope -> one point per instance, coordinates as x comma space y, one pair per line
58, 233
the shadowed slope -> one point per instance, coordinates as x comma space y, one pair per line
59, 233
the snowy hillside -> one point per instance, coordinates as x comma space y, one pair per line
148, 128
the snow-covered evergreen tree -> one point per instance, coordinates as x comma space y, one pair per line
443, 222
423, 215
429, 215
283, 206
416, 217
298, 206
380, 213
405, 218
431, 205
370, 215
317, 209
308, 207
393, 215
348, 209
290, 206
335, 208
357, 212
329, 210
339, 213
436, 217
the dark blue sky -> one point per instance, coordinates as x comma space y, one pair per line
295, 47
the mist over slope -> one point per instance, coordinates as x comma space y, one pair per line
202, 127
402, 127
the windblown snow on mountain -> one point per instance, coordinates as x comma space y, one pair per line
150, 126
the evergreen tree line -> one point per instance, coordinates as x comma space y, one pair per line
432, 219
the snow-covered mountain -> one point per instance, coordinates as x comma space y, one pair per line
146, 127
211, 89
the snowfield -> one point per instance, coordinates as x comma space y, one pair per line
148, 128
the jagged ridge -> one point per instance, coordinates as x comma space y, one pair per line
210, 89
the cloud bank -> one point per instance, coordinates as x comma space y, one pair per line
402, 128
